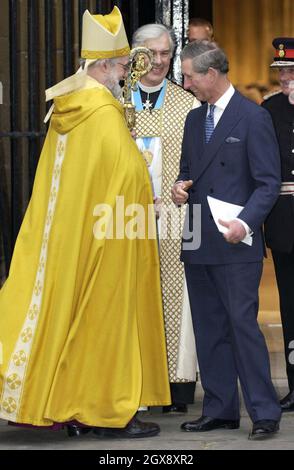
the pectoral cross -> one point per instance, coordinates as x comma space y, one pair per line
147, 105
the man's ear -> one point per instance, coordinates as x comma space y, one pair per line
105, 65
212, 73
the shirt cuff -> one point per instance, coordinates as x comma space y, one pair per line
247, 228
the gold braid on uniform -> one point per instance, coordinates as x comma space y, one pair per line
168, 123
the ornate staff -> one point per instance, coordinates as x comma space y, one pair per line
141, 60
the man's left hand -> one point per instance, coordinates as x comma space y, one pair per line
236, 232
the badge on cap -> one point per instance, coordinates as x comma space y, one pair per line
284, 56
281, 50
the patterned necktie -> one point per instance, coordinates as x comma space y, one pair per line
209, 123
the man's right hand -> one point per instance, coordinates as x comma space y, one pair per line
179, 192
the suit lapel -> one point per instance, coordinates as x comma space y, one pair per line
227, 122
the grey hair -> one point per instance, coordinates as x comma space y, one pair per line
205, 55
153, 31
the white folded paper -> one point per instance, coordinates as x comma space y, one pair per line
225, 211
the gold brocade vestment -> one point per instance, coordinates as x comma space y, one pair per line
168, 124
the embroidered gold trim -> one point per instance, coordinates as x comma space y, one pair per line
105, 54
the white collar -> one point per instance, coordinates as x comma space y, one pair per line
223, 101
151, 89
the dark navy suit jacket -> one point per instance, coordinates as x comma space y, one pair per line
240, 165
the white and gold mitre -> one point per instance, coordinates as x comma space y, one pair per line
104, 36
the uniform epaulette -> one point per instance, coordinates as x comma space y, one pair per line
273, 93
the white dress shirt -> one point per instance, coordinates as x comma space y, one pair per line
221, 104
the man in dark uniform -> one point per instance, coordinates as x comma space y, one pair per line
279, 227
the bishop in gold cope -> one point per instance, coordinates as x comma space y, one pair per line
81, 319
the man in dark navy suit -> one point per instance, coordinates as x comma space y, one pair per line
229, 152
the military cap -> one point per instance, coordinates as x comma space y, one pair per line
284, 56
